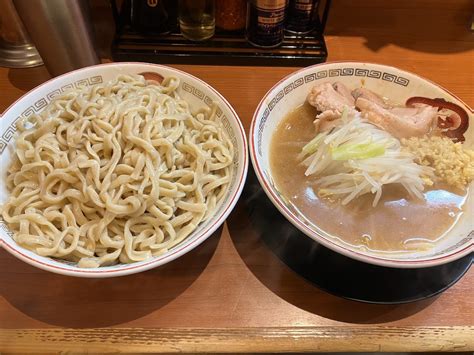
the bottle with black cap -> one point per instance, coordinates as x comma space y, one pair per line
154, 16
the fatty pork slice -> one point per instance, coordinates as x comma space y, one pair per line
330, 100
400, 122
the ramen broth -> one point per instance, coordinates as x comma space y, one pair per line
398, 223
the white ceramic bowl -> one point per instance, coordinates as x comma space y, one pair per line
195, 91
390, 82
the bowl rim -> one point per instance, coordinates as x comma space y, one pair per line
182, 249
293, 219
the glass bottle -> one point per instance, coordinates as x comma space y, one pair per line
266, 22
197, 19
153, 16
300, 16
231, 14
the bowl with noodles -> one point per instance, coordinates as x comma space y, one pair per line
117, 168
382, 162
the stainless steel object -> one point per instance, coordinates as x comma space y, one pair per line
61, 31
16, 50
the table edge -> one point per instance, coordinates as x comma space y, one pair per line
224, 340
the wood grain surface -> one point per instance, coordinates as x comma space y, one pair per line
232, 294
297, 339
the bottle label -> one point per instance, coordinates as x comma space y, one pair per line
270, 4
266, 22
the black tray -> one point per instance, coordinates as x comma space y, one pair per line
338, 274
225, 48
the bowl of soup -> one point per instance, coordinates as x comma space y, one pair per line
371, 161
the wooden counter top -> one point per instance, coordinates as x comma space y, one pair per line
219, 297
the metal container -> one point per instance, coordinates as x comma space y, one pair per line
16, 49
61, 31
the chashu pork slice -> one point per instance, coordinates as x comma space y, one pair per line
330, 100
401, 122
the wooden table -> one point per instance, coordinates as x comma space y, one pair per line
231, 294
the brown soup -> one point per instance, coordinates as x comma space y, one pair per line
397, 223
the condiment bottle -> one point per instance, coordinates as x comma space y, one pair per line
153, 16
300, 16
231, 14
197, 19
266, 22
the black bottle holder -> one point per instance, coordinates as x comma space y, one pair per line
225, 48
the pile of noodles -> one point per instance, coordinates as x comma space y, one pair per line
115, 173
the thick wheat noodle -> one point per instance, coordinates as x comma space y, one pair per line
115, 173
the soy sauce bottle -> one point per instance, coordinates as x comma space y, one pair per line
300, 16
154, 16
266, 22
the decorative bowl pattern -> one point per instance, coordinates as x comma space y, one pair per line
195, 91
390, 82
